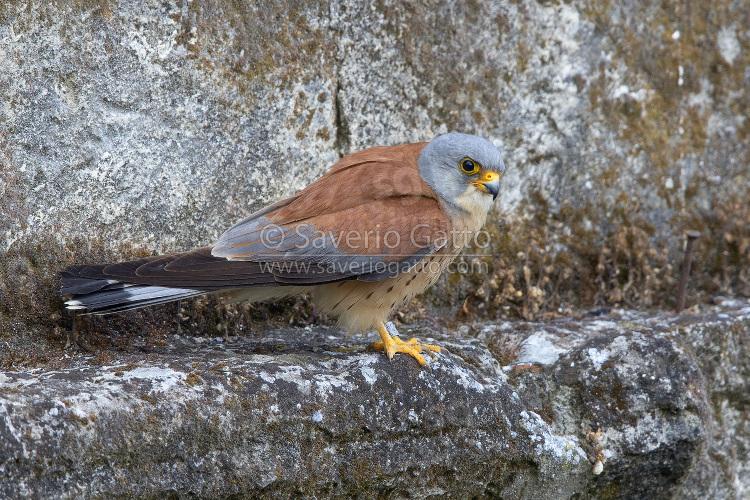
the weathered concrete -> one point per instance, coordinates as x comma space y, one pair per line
307, 413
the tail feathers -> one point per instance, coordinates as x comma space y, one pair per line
112, 297
108, 288
75, 283
83, 286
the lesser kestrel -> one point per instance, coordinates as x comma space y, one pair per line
377, 229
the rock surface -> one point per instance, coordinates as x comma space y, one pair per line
307, 413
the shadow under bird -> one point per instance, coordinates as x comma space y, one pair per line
377, 229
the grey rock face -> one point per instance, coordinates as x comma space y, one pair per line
723, 349
653, 419
308, 414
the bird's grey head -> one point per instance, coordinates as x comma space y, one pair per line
464, 170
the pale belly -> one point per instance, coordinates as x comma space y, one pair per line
360, 305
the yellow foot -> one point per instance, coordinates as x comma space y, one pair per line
392, 345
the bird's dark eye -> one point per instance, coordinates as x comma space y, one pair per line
469, 166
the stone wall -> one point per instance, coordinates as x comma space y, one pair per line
136, 127
131, 128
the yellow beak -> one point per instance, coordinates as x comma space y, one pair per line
489, 182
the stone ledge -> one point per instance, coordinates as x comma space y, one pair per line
312, 414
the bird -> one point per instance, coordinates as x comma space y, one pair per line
378, 228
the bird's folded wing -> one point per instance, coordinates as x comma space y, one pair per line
371, 217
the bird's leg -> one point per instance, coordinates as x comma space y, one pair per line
392, 345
